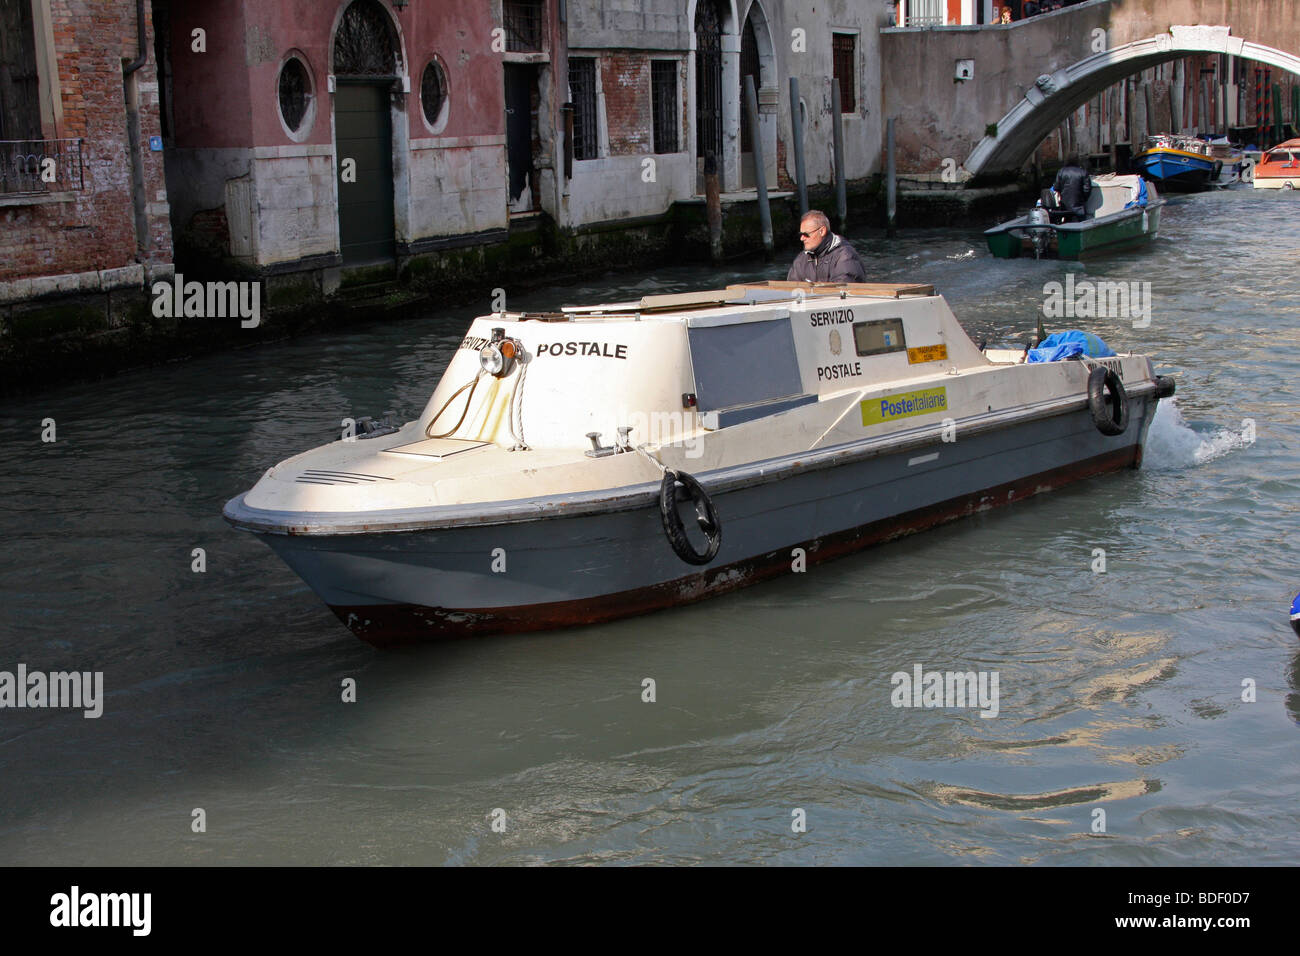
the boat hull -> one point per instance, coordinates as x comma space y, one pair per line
420, 586
1116, 233
1177, 170
1277, 182
1084, 240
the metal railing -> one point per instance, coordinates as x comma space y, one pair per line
927, 21
36, 166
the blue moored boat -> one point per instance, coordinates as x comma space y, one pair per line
1180, 163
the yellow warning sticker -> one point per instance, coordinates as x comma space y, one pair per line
887, 408
927, 353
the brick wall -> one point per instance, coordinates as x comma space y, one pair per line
783, 178
625, 79
97, 229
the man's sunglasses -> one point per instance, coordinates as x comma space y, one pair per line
806, 235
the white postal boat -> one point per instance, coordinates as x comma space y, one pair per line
540, 486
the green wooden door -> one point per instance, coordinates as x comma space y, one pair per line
363, 134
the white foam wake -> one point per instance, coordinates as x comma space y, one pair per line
1172, 443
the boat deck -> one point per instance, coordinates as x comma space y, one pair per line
770, 292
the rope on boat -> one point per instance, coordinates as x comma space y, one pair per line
517, 404
653, 459
472, 384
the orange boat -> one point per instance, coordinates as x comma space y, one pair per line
1280, 167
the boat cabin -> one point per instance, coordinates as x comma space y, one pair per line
1111, 193
691, 362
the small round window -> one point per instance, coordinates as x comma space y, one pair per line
433, 93
295, 93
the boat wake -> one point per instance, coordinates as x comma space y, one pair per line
1173, 444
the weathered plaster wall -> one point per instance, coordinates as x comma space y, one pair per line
792, 38
236, 133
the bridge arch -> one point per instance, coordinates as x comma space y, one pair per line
1047, 103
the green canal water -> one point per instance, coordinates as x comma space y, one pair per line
1160, 698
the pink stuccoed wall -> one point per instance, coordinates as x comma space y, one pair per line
226, 97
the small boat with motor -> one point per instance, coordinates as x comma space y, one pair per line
544, 483
1279, 168
1179, 163
1121, 212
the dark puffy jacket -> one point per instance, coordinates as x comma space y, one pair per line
1074, 186
833, 261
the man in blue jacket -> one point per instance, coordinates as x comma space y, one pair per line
826, 257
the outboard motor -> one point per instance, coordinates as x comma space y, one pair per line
1038, 216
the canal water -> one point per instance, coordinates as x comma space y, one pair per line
1149, 714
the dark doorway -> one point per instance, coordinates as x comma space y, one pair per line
364, 135
748, 67
20, 111
521, 134
366, 68
708, 82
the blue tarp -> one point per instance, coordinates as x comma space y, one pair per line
1064, 345
1142, 199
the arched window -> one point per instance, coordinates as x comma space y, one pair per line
365, 44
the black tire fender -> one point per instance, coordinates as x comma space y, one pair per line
1112, 418
705, 515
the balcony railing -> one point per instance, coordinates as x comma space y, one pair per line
927, 21
36, 166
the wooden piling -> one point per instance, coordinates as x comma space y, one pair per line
837, 133
713, 205
891, 176
760, 174
796, 126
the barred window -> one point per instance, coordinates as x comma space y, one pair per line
845, 60
295, 93
523, 24
433, 92
663, 101
926, 13
582, 92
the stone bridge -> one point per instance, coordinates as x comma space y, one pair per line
1025, 78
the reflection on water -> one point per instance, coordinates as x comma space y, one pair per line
1120, 690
